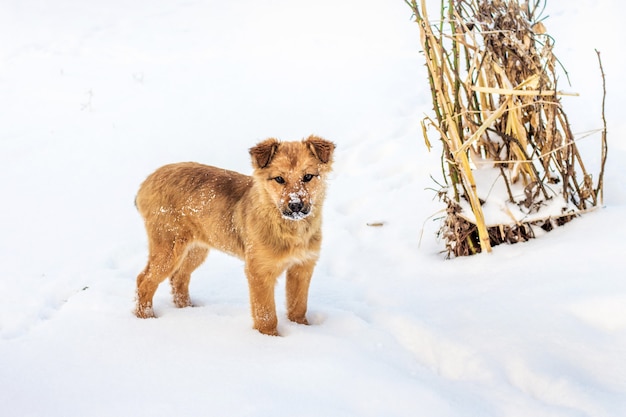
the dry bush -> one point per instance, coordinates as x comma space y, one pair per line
493, 77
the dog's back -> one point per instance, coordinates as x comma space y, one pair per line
194, 203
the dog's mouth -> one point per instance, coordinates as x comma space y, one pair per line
296, 215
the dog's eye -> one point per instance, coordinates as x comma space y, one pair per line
307, 177
279, 180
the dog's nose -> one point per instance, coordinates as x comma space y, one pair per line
296, 206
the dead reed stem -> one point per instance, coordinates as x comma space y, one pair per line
600, 187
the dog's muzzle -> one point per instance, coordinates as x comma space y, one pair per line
296, 209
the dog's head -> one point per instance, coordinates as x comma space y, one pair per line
293, 174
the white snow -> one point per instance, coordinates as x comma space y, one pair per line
95, 95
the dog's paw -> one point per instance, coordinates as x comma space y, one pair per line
144, 312
269, 332
182, 301
299, 320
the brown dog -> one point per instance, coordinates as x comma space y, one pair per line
272, 220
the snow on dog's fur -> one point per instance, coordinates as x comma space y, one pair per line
272, 220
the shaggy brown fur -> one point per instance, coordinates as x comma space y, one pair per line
272, 220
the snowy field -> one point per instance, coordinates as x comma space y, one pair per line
95, 95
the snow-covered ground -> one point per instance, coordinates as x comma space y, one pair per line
94, 95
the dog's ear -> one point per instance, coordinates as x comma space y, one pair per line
321, 148
263, 153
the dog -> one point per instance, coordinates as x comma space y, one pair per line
271, 219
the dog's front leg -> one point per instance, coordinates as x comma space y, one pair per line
261, 282
298, 280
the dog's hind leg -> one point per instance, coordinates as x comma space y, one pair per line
180, 279
162, 262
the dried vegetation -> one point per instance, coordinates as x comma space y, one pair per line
493, 77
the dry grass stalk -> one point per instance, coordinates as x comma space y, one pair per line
493, 79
